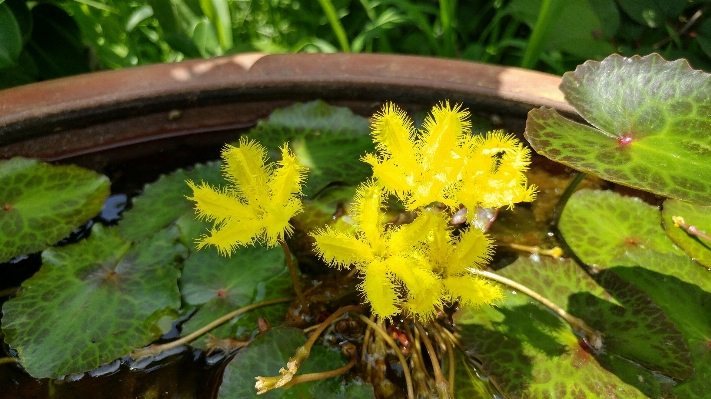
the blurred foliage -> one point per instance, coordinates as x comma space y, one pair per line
46, 39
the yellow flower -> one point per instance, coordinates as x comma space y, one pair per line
258, 203
445, 163
418, 267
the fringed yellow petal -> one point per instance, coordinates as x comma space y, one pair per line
392, 131
424, 305
392, 177
276, 221
367, 211
211, 204
287, 177
495, 142
244, 167
409, 236
473, 250
340, 249
472, 290
443, 132
379, 290
439, 244
232, 235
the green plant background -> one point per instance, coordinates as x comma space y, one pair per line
49, 39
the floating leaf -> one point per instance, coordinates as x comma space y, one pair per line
600, 226
682, 289
694, 215
651, 118
220, 285
92, 302
327, 139
163, 202
40, 204
530, 353
269, 352
467, 382
634, 327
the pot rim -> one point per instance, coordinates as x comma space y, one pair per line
64, 105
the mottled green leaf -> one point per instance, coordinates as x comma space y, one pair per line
40, 204
328, 139
219, 285
163, 202
635, 329
651, 121
682, 289
694, 215
269, 352
600, 226
93, 301
530, 353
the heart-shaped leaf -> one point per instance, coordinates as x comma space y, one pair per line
219, 285
530, 353
269, 352
683, 290
40, 204
651, 121
694, 215
93, 301
600, 226
634, 327
327, 139
163, 202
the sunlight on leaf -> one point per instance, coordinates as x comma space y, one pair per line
695, 215
651, 121
600, 226
40, 203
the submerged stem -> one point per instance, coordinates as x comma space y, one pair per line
440, 381
592, 336
384, 335
153, 350
294, 277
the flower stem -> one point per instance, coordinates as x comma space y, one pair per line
153, 350
384, 335
555, 252
6, 360
692, 230
301, 378
9, 291
440, 381
294, 277
592, 336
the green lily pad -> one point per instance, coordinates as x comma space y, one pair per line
634, 327
163, 202
220, 285
327, 139
40, 203
651, 121
269, 352
600, 226
530, 353
93, 301
682, 289
694, 215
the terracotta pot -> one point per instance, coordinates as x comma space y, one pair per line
65, 118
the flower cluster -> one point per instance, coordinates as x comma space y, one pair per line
259, 202
417, 266
445, 163
420, 267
